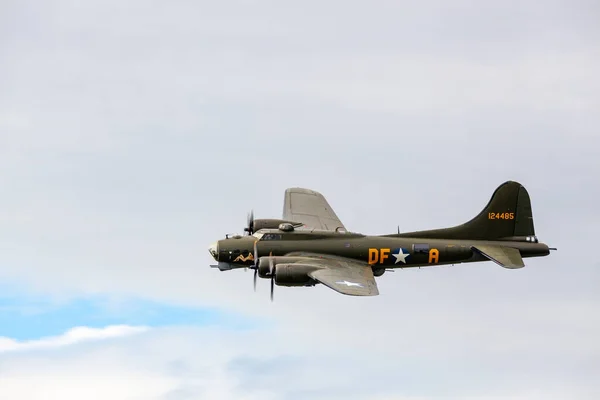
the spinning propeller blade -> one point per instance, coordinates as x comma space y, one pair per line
250, 223
272, 273
255, 266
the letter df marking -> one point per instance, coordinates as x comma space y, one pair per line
373, 256
384, 254
378, 255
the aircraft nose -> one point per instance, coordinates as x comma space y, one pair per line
214, 251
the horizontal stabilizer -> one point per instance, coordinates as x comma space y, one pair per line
507, 257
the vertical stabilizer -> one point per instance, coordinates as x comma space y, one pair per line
507, 214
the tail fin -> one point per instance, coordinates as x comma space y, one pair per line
508, 214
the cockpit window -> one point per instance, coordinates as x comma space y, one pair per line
271, 236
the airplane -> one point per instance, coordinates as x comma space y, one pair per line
310, 245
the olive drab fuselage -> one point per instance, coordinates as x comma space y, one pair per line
381, 252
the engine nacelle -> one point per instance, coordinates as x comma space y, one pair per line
265, 267
288, 271
294, 275
271, 224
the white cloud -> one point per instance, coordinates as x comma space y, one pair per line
182, 363
73, 336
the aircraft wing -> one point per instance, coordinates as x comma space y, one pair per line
310, 208
341, 274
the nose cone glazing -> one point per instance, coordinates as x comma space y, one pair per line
213, 250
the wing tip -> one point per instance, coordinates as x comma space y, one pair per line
301, 190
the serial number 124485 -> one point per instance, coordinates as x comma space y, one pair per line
504, 215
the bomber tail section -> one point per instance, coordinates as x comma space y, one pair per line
507, 215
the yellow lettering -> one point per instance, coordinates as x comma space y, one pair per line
373, 256
434, 256
504, 215
384, 254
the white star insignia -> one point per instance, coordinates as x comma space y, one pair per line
400, 256
349, 283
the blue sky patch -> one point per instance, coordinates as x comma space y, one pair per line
24, 317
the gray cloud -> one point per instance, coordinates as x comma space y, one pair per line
132, 135
143, 366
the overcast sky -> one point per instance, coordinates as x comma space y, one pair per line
133, 134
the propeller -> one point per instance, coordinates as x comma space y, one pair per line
272, 287
272, 273
250, 223
255, 266
271, 270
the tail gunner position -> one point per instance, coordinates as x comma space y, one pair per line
310, 244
